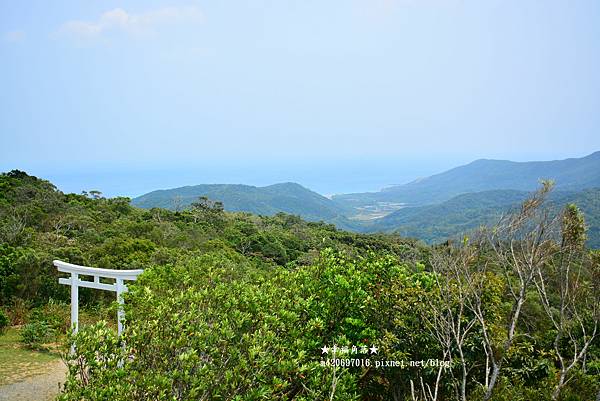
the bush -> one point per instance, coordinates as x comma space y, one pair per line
19, 311
4, 321
214, 328
97, 363
55, 314
207, 330
34, 334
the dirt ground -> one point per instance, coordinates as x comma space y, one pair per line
43, 386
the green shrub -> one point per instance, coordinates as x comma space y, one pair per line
19, 311
35, 334
4, 321
216, 328
55, 314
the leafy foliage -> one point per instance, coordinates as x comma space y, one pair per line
217, 328
34, 334
4, 321
238, 306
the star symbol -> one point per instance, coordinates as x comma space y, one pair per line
374, 349
325, 350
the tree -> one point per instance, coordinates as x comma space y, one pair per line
447, 316
177, 203
95, 194
575, 312
520, 244
209, 211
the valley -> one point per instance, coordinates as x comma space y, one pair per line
432, 209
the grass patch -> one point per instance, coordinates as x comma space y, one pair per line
17, 362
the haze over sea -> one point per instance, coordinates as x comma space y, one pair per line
326, 177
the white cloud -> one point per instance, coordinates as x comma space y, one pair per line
119, 20
14, 36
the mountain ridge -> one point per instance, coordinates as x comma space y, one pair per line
431, 208
463, 213
286, 197
483, 175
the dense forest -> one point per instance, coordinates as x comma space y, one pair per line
236, 306
289, 198
436, 223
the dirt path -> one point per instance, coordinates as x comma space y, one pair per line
41, 387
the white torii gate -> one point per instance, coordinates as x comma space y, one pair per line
119, 276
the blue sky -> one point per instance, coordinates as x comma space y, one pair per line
129, 96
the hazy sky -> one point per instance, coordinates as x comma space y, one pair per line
337, 95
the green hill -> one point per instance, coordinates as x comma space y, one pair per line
485, 175
432, 209
436, 223
290, 198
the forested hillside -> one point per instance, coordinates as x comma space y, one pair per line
464, 213
288, 198
235, 306
484, 175
433, 209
